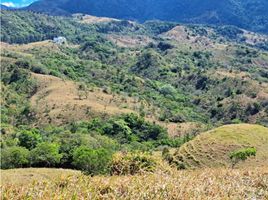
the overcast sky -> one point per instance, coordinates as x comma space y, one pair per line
16, 3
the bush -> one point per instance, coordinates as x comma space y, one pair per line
166, 155
120, 130
168, 90
91, 161
132, 163
242, 155
29, 138
14, 157
45, 155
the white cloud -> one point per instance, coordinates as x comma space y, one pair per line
8, 4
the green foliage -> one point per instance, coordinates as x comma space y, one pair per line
91, 161
242, 155
14, 157
168, 90
29, 138
158, 27
68, 142
231, 32
30, 27
132, 163
131, 128
45, 155
149, 64
120, 130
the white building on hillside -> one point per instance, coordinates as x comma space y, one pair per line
60, 40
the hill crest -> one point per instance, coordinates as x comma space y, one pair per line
212, 148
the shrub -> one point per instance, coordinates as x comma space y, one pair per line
45, 155
91, 161
29, 138
132, 163
242, 155
14, 157
166, 155
168, 90
120, 130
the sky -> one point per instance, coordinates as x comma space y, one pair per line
16, 3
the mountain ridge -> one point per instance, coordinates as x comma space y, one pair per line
247, 14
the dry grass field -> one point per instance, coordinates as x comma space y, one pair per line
129, 41
89, 19
212, 149
57, 101
216, 184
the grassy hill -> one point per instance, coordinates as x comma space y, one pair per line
48, 184
212, 149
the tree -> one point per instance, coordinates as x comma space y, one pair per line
120, 130
45, 155
82, 91
68, 143
242, 155
14, 157
91, 161
29, 138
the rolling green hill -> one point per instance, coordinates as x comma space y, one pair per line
212, 149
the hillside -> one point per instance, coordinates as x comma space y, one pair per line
94, 107
181, 73
118, 95
199, 184
248, 14
212, 149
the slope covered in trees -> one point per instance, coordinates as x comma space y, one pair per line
247, 14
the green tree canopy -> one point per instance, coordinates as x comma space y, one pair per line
91, 161
29, 138
45, 154
14, 157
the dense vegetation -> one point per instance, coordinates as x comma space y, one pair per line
222, 80
246, 14
80, 144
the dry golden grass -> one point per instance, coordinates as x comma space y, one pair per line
89, 19
129, 41
24, 47
29, 175
254, 38
172, 184
212, 149
184, 35
56, 101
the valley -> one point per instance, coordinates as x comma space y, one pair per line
94, 107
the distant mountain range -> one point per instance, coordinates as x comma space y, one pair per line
3, 7
248, 14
